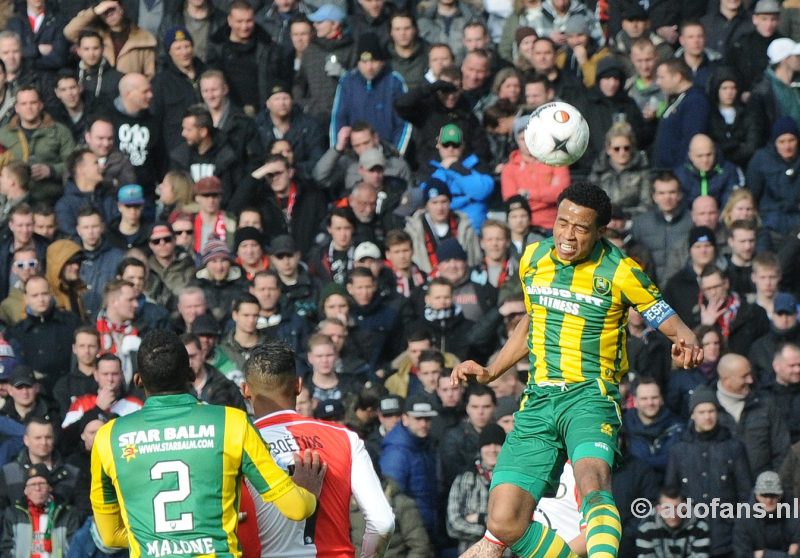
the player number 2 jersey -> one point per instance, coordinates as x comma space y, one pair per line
579, 311
173, 471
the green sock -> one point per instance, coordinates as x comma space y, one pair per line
603, 525
540, 541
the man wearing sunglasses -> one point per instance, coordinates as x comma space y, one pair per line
20, 227
173, 265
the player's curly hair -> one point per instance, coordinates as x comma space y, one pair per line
588, 194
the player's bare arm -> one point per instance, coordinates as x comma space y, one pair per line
515, 349
686, 350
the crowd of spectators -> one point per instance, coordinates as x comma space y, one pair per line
351, 177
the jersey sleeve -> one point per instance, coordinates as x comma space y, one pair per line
267, 478
103, 495
639, 291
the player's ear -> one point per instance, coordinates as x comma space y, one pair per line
246, 393
298, 385
602, 231
137, 381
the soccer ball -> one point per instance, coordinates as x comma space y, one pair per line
557, 134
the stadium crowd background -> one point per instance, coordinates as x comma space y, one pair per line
351, 178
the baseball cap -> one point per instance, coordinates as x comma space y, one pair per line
784, 303
577, 24
130, 194
506, 405
781, 49
418, 406
208, 185
767, 7
22, 375
372, 158
328, 12
38, 470
282, 245
768, 482
633, 11
391, 406
330, 409
450, 133
277, 86
366, 250
434, 188
205, 324
7, 360
702, 234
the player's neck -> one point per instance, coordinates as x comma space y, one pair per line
264, 405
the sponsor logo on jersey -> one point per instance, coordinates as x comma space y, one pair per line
607, 429
129, 452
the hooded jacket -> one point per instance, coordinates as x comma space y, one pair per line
99, 266
732, 139
67, 297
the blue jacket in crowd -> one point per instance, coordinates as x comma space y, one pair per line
651, 442
686, 117
74, 200
775, 183
723, 178
411, 463
371, 101
469, 188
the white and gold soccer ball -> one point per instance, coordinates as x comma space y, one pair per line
557, 134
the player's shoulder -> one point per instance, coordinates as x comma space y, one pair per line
534, 251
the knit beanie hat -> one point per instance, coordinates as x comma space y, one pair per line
216, 248
702, 395
523, 32
784, 125
491, 434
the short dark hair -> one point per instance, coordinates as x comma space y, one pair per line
111, 358
273, 158
21, 171
163, 363
28, 87
85, 329
442, 282
128, 262
678, 66
417, 335
191, 339
645, 381
536, 77
743, 224
244, 298
272, 365
712, 269
432, 355
87, 211
65, 73
44, 210
404, 14
201, 115
397, 236
587, 194
75, 158
362, 272
362, 126
344, 213
671, 492
479, 390
240, 5
89, 34
267, 273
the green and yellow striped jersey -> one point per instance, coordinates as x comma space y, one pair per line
579, 311
173, 471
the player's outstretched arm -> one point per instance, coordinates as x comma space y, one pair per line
686, 351
515, 349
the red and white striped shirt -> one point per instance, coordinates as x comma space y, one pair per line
350, 473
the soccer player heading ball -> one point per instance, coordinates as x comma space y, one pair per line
578, 288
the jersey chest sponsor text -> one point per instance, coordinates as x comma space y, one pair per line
566, 300
169, 438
